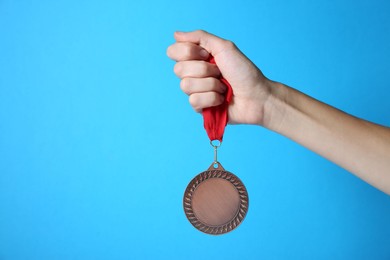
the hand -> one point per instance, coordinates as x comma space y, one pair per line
199, 79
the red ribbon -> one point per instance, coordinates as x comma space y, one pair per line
216, 118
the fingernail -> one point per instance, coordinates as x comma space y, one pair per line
204, 53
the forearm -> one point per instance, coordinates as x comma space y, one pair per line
358, 146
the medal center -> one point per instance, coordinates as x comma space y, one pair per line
215, 202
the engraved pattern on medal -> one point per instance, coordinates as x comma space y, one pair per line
229, 225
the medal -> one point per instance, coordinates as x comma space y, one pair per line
216, 201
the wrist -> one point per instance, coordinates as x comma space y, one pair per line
274, 108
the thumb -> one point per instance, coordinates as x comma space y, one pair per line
208, 41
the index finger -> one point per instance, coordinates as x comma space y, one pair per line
185, 51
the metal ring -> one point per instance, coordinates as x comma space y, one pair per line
215, 145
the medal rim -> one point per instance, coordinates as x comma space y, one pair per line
242, 209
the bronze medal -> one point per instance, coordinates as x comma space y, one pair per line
215, 201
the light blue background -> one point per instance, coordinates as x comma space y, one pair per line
97, 142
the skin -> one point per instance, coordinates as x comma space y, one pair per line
359, 146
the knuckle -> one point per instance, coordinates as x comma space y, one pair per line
229, 44
169, 52
185, 85
194, 102
201, 31
177, 69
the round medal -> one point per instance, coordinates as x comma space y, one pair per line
215, 201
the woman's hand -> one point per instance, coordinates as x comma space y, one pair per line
200, 79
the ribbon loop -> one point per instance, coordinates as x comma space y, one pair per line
216, 118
